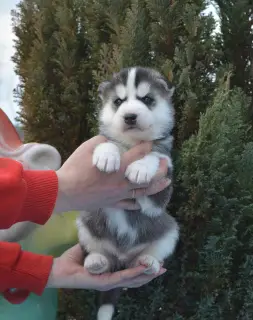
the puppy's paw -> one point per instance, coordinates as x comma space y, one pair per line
143, 170
152, 264
96, 263
106, 157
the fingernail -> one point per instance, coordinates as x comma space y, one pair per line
163, 270
164, 181
167, 182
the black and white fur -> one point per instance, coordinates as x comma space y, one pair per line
136, 106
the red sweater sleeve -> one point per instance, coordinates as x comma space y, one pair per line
25, 195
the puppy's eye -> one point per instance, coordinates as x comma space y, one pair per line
147, 100
118, 102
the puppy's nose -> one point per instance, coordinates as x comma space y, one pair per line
130, 118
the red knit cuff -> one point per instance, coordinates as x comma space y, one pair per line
31, 272
17, 296
42, 189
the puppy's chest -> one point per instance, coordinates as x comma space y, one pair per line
122, 147
133, 228
121, 230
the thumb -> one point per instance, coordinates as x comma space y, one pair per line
75, 253
137, 152
91, 144
119, 276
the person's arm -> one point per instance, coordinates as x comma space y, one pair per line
22, 270
31, 196
24, 196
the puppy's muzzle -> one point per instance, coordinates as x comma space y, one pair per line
130, 119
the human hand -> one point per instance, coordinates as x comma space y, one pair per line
68, 272
83, 187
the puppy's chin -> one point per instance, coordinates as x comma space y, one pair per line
132, 135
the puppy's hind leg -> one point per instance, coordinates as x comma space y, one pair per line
96, 263
154, 255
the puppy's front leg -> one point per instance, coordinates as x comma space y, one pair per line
106, 157
143, 170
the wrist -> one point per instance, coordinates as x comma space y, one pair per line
63, 201
52, 279
41, 193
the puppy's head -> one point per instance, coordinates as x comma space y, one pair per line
136, 105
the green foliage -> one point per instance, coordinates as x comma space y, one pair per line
236, 41
184, 50
52, 62
65, 49
210, 277
217, 215
124, 41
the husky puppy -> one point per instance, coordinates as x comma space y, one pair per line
136, 106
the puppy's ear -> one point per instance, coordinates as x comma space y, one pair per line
167, 86
102, 88
171, 90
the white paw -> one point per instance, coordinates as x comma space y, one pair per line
143, 170
96, 263
152, 264
106, 157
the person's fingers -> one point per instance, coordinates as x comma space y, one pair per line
142, 279
127, 205
137, 152
149, 190
157, 186
113, 279
75, 253
133, 186
92, 143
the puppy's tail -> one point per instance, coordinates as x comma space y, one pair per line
107, 302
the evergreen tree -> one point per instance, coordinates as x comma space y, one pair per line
171, 36
52, 61
122, 32
65, 49
184, 50
210, 276
217, 216
236, 42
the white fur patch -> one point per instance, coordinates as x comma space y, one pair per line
131, 89
148, 207
143, 89
121, 91
96, 263
143, 170
106, 157
162, 118
105, 312
107, 114
101, 246
117, 222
